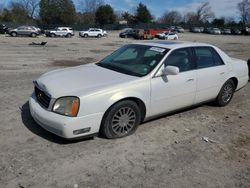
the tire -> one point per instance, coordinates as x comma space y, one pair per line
85, 35
121, 120
33, 35
68, 35
226, 93
99, 36
52, 35
175, 38
13, 34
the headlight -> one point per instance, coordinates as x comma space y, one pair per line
67, 106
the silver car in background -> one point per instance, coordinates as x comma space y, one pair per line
30, 31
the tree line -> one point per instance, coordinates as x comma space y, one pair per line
63, 12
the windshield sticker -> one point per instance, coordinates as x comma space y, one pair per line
156, 49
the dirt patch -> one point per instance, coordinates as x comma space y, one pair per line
72, 63
238, 150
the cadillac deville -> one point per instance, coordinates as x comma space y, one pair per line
133, 84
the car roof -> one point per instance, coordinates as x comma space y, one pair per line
173, 44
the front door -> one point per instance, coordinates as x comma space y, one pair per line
173, 92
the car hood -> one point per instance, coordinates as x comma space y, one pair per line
81, 79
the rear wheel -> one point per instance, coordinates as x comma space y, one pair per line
226, 93
68, 35
85, 35
53, 35
121, 120
33, 35
99, 35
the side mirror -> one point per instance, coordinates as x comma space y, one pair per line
170, 70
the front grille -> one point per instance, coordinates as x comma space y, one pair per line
42, 98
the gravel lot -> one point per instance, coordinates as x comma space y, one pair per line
166, 152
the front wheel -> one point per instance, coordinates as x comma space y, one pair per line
121, 120
226, 93
13, 34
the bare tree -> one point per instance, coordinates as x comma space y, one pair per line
172, 17
244, 9
191, 18
31, 6
204, 12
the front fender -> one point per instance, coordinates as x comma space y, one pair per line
101, 101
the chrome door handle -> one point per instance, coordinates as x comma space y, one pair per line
190, 80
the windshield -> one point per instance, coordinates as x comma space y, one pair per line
134, 59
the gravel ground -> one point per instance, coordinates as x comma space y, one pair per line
165, 152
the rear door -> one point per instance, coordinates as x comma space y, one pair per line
211, 73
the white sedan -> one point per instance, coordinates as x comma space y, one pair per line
134, 84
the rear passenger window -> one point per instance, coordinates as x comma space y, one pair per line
217, 58
207, 57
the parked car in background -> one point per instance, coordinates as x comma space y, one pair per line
179, 29
60, 32
207, 30
37, 29
24, 31
226, 31
195, 30
167, 36
215, 31
3, 29
236, 32
135, 83
246, 31
93, 32
151, 33
127, 33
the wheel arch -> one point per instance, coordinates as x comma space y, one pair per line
138, 101
235, 80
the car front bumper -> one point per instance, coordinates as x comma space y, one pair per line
64, 126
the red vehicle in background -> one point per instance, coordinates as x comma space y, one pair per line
153, 32
148, 33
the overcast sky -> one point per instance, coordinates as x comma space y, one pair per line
158, 7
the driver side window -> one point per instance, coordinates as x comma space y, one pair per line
181, 58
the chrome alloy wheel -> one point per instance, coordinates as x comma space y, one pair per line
123, 121
227, 93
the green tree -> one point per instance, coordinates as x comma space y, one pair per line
105, 15
219, 22
143, 15
57, 12
16, 14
